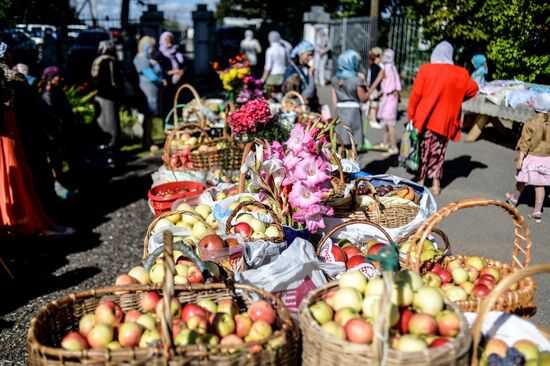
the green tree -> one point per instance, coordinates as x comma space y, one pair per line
514, 34
37, 11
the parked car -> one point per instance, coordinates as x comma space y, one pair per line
83, 52
38, 32
21, 47
74, 29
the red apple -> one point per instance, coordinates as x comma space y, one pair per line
231, 340
480, 291
262, 310
495, 345
487, 277
228, 306
491, 271
190, 310
448, 323
434, 267
223, 324
132, 315
100, 336
211, 242
194, 275
338, 254
74, 341
359, 331
490, 284
422, 324
177, 326
351, 250
329, 298
149, 301
124, 280
445, 275
375, 248
243, 323
406, 315
438, 342
108, 312
244, 229
355, 261
209, 305
129, 334
197, 323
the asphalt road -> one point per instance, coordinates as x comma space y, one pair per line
481, 169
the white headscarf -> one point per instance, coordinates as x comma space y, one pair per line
273, 37
3, 49
442, 54
248, 34
542, 102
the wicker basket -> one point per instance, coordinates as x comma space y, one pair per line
520, 300
174, 135
201, 119
490, 301
438, 258
319, 348
388, 215
287, 105
163, 216
57, 318
243, 206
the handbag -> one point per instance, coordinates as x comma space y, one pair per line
409, 152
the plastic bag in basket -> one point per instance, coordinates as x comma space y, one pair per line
367, 269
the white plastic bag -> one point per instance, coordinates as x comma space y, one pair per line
295, 273
164, 175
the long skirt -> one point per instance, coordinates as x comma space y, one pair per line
20, 210
432, 155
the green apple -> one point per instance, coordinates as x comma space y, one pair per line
257, 226
184, 206
203, 210
157, 273
245, 217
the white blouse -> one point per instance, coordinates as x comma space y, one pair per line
275, 59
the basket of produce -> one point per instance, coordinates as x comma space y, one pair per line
190, 113
384, 321
188, 226
432, 251
467, 279
149, 325
353, 252
180, 142
246, 220
162, 196
512, 340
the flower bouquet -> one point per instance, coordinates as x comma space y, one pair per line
254, 120
294, 178
239, 84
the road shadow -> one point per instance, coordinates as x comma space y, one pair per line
380, 166
528, 197
460, 166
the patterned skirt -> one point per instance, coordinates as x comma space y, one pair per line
432, 155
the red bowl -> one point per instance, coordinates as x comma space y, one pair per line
163, 195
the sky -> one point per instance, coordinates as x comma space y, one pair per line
181, 9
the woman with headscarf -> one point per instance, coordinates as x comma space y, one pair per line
480, 64
348, 90
299, 75
150, 83
172, 62
434, 107
108, 82
251, 47
389, 101
275, 63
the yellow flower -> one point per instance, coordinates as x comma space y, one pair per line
233, 73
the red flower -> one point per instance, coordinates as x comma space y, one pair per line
249, 116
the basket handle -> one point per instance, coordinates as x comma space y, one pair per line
162, 216
379, 207
193, 127
242, 177
490, 300
244, 204
202, 119
167, 294
520, 230
293, 93
229, 109
348, 223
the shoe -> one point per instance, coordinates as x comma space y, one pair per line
510, 200
366, 146
537, 216
391, 152
374, 124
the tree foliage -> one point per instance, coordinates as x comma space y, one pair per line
513, 34
37, 11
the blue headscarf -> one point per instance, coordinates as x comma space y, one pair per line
348, 65
302, 47
481, 70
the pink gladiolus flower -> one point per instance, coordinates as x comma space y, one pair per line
313, 216
301, 196
312, 172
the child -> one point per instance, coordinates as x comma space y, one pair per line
387, 109
533, 163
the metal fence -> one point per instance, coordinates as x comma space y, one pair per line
106, 22
353, 33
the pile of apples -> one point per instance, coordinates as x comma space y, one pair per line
250, 227
210, 149
354, 256
204, 322
184, 144
463, 279
416, 313
199, 229
523, 352
429, 251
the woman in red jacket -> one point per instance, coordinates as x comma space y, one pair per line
434, 107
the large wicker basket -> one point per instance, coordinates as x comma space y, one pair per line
520, 300
490, 301
53, 321
199, 118
319, 348
386, 214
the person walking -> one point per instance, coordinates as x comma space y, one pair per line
533, 156
275, 64
173, 65
389, 101
348, 90
251, 48
299, 75
108, 80
320, 58
375, 75
435, 102
150, 83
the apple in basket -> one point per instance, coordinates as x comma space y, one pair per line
212, 243
243, 229
108, 312
132, 316
262, 310
129, 334
74, 341
338, 254
191, 309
